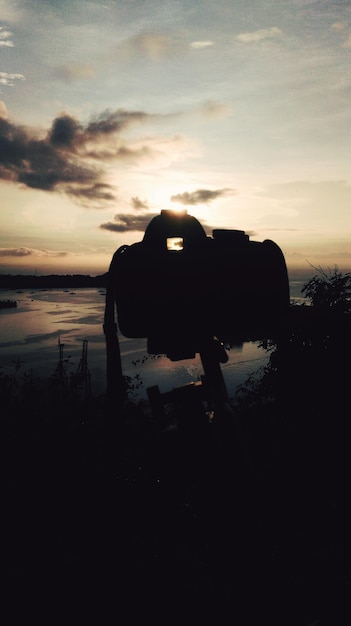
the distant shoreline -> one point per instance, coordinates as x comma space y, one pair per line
51, 281
65, 281
21, 281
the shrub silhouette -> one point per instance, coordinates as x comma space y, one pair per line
329, 290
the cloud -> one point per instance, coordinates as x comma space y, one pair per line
215, 109
200, 196
114, 121
49, 164
72, 158
3, 110
64, 131
8, 79
5, 40
151, 45
75, 71
259, 35
139, 204
199, 45
95, 195
76, 158
129, 222
67, 132
24, 252
18, 252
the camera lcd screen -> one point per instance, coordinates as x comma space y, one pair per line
175, 243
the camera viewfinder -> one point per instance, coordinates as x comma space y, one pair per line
175, 244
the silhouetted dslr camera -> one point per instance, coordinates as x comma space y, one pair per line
179, 287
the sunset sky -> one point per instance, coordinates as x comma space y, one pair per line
111, 110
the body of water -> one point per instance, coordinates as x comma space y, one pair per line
31, 332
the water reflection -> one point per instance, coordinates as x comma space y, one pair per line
31, 332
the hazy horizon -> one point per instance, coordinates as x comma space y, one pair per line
294, 273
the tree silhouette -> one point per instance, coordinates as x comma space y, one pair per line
329, 290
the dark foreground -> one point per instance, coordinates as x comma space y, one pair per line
143, 522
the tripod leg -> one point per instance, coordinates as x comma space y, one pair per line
224, 416
214, 375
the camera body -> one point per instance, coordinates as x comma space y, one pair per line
178, 287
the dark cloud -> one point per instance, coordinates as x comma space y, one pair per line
71, 158
64, 131
92, 193
114, 121
67, 132
139, 204
127, 222
49, 164
124, 223
200, 196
